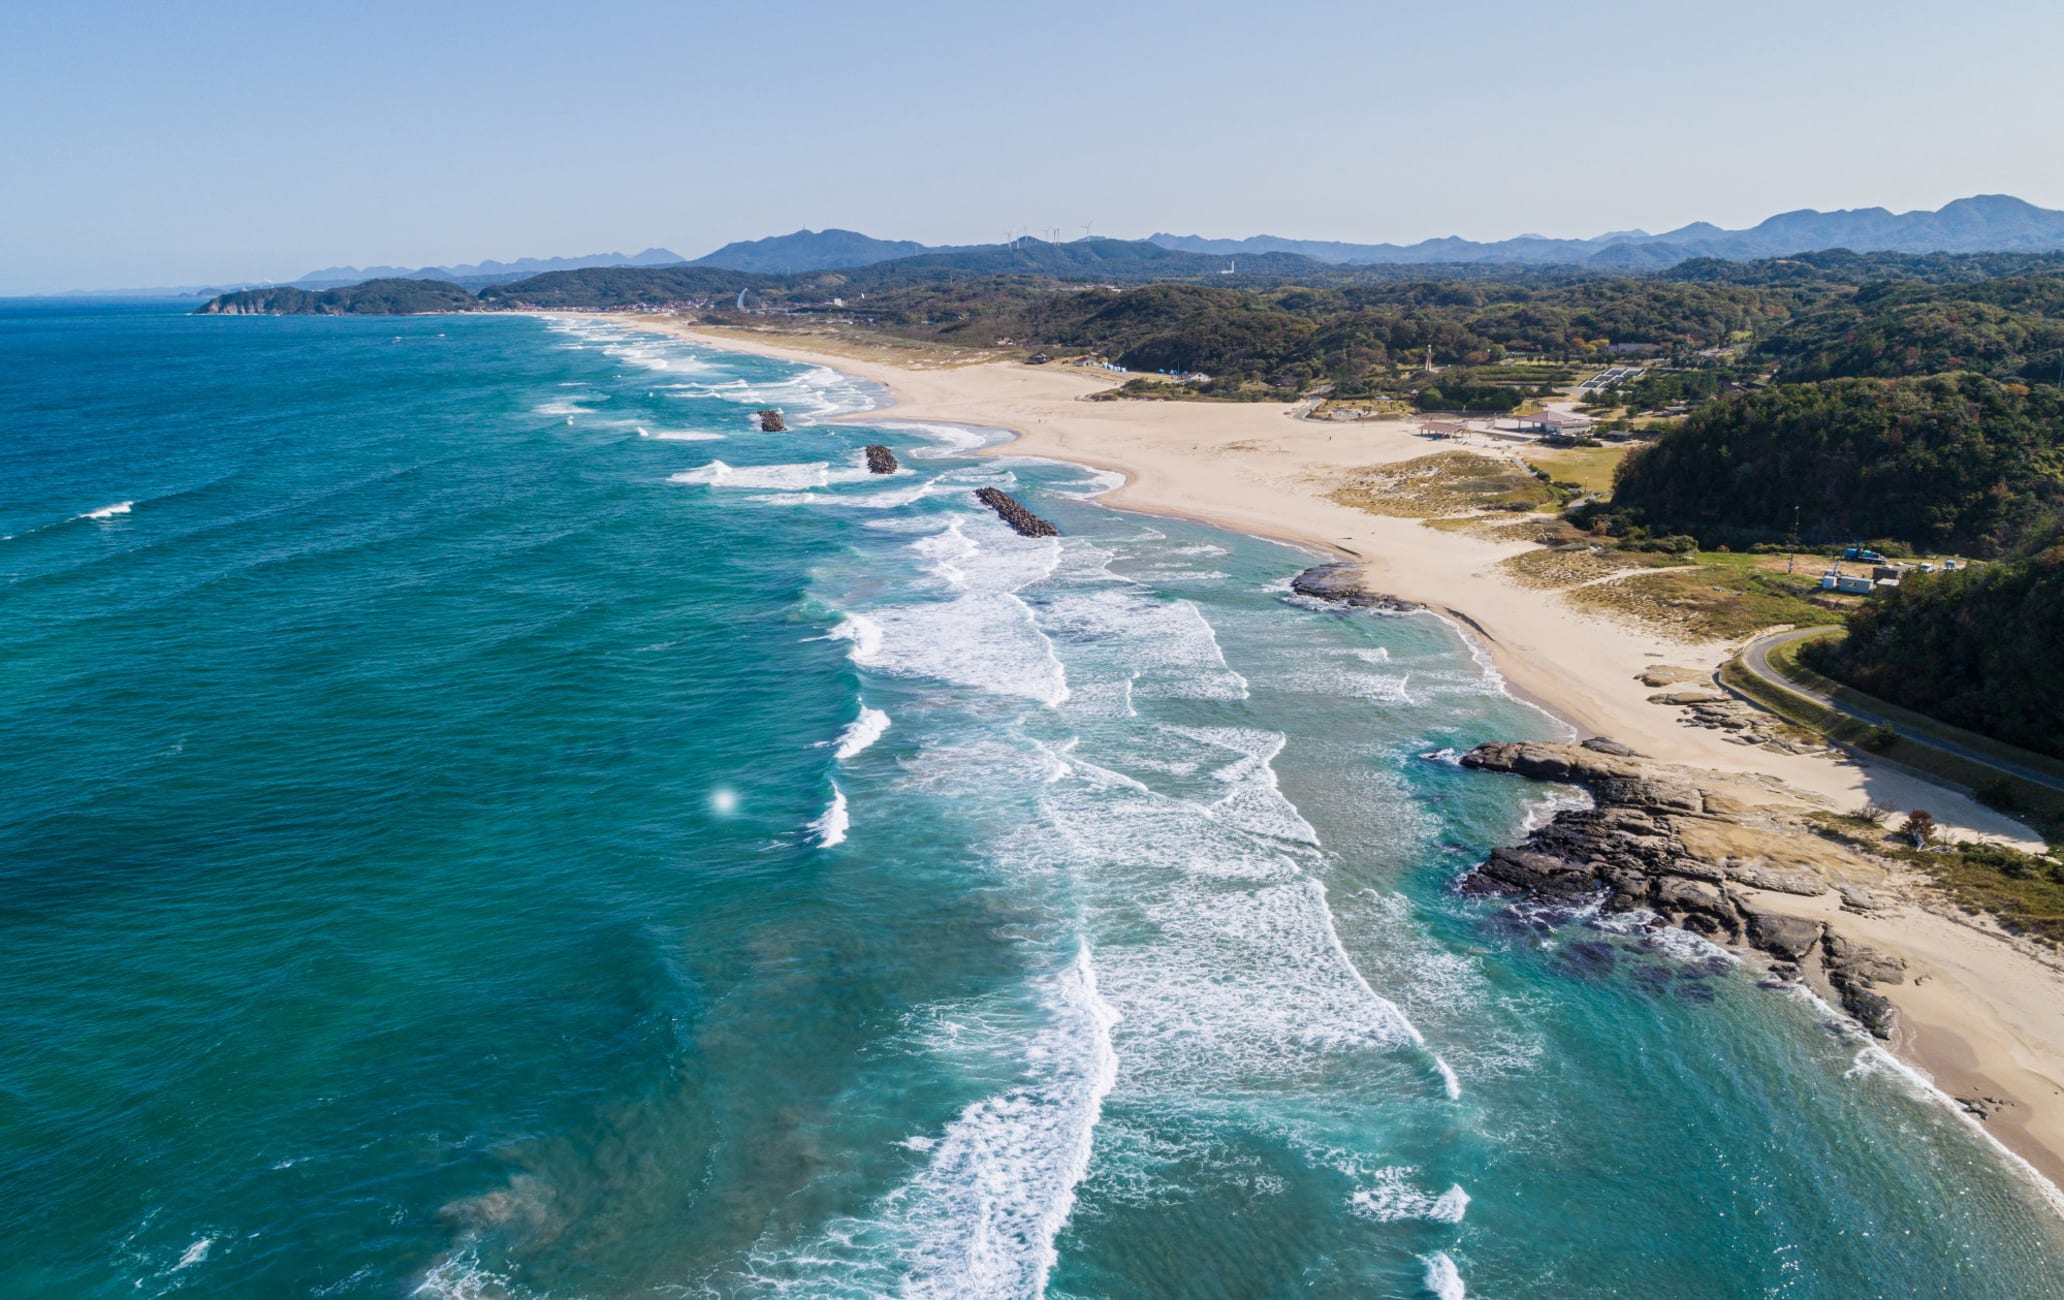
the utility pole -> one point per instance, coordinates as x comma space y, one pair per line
1793, 559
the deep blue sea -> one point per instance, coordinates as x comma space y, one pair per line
480, 819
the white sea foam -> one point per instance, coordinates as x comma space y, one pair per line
863, 632
680, 435
946, 439
461, 1276
861, 732
831, 826
109, 512
984, 635
1167, 646
194, 1254
813, 474
1256, 802
1558, 799
1443, 1279
1393, 1198
946, 550
983, 639
999, 1181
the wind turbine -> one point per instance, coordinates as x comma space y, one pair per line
1085, 228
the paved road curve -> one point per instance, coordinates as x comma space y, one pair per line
1756, 658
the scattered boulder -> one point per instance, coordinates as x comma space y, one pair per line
1876, 1013
1013, 512
1804, 883
880, 460
1658, 675
1694, 898
1789, 937
1606, 745
771, 421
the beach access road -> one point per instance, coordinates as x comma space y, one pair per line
1755, 657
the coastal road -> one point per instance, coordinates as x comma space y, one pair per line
1755, 657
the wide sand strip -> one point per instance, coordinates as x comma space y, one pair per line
1984, 1021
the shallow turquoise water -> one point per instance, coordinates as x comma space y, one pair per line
453, 847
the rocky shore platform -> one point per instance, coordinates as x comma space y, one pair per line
880, 460
1702, 851
1013, 512
1341, 582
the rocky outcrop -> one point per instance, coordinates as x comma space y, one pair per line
1689, 847
771, 421
880, 460
1013, 512
1341, 583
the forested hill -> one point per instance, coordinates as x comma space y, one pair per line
1977, 648
1955, 461
373, 298
1087, 260
602, 287
2010, 328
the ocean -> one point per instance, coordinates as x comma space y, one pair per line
483, 820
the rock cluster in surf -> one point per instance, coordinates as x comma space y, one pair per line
1341, 582
1013, 512
771, 421
880, 460
1675, 843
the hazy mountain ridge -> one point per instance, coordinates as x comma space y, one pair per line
813, 250
479, 274
1989, 223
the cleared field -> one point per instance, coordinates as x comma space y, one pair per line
1590, 468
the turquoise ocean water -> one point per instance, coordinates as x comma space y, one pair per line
482, 820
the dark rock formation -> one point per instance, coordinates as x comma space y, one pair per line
1788, 937
1012, 511
1341, 582
1606, 745
771, 421
1656, 839
880, 460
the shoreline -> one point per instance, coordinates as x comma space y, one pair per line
1985, 1017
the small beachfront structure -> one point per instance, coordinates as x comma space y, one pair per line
1551, 423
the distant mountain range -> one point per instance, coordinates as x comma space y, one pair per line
480, 274
1989, 223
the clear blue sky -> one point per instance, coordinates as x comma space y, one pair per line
202, 142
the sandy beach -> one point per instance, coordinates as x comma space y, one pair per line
1981, 1015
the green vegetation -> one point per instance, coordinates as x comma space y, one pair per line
1977, 648
1446, 484
395, 297
1947, 462
601, 288
2037, 805
1590, 468
2024, 892
2005, 329
1716, 597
